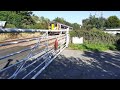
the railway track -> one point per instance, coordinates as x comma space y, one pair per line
14, 47
17, 55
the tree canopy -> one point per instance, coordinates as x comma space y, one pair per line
112, 22
19, 19
101, 22
63, 21
26, 19
93, 22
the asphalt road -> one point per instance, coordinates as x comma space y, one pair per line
74, 64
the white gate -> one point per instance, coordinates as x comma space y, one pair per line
39, 55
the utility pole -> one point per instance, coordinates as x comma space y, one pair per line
102, 19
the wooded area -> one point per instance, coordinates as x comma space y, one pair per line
101, 22
26, 19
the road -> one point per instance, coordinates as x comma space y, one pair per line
74, 64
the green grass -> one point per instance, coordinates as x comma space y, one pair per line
92, 47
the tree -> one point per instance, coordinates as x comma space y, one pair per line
44, 22
63, 21
112, 22
21, 19
60, 20
27, 19
36, 19
10, 26
11, 18
76, 26
93, 22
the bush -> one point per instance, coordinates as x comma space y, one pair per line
10, 26
95, 39
94, 36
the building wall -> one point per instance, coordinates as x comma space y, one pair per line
112, 32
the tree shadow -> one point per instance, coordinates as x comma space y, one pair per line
91, 49
117, 44
94, 65
90, 65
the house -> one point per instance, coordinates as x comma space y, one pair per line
112, 31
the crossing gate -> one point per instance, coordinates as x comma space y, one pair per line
37, 56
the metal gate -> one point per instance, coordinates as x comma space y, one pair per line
37, 56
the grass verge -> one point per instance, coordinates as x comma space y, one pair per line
92, 47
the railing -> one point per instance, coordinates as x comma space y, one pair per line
37, 56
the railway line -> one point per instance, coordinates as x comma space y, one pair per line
20, 48
28, 57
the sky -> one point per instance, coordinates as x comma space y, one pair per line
75, 16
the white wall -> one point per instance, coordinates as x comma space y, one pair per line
77, 40
112, 32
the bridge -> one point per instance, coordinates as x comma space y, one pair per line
29, 61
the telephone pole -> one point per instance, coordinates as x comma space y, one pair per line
102, 19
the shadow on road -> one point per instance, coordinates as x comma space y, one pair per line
89, 65
92, 65
117, 44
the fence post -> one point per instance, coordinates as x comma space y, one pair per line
47, 40
67, 35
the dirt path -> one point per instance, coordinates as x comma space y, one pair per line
73, 64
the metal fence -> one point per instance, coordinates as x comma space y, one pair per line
37, 56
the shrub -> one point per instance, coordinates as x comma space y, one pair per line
95, 39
